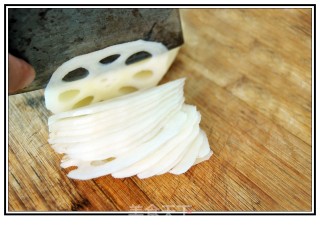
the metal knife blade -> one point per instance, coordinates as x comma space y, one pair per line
46, 38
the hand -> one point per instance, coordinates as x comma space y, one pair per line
21, 74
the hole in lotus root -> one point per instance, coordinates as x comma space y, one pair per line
144, 74
109, 59
137, 57
76, 74
127, 89
85, 101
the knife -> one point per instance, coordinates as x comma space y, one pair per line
46, 38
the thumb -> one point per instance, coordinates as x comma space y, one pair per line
21, 74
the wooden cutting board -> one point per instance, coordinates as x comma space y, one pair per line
249, 73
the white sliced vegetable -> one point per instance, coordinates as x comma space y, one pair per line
150, 161
113, 124
87, 171
190, 157
115, 115
204, 153
127, 101
206, 157
187, 135
131, 124
205, 148
145, 133
121, 139
106, 73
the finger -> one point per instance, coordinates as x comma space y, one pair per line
21, 74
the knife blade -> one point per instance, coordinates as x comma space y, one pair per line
46, 38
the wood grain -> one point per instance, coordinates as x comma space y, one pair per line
249, 73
